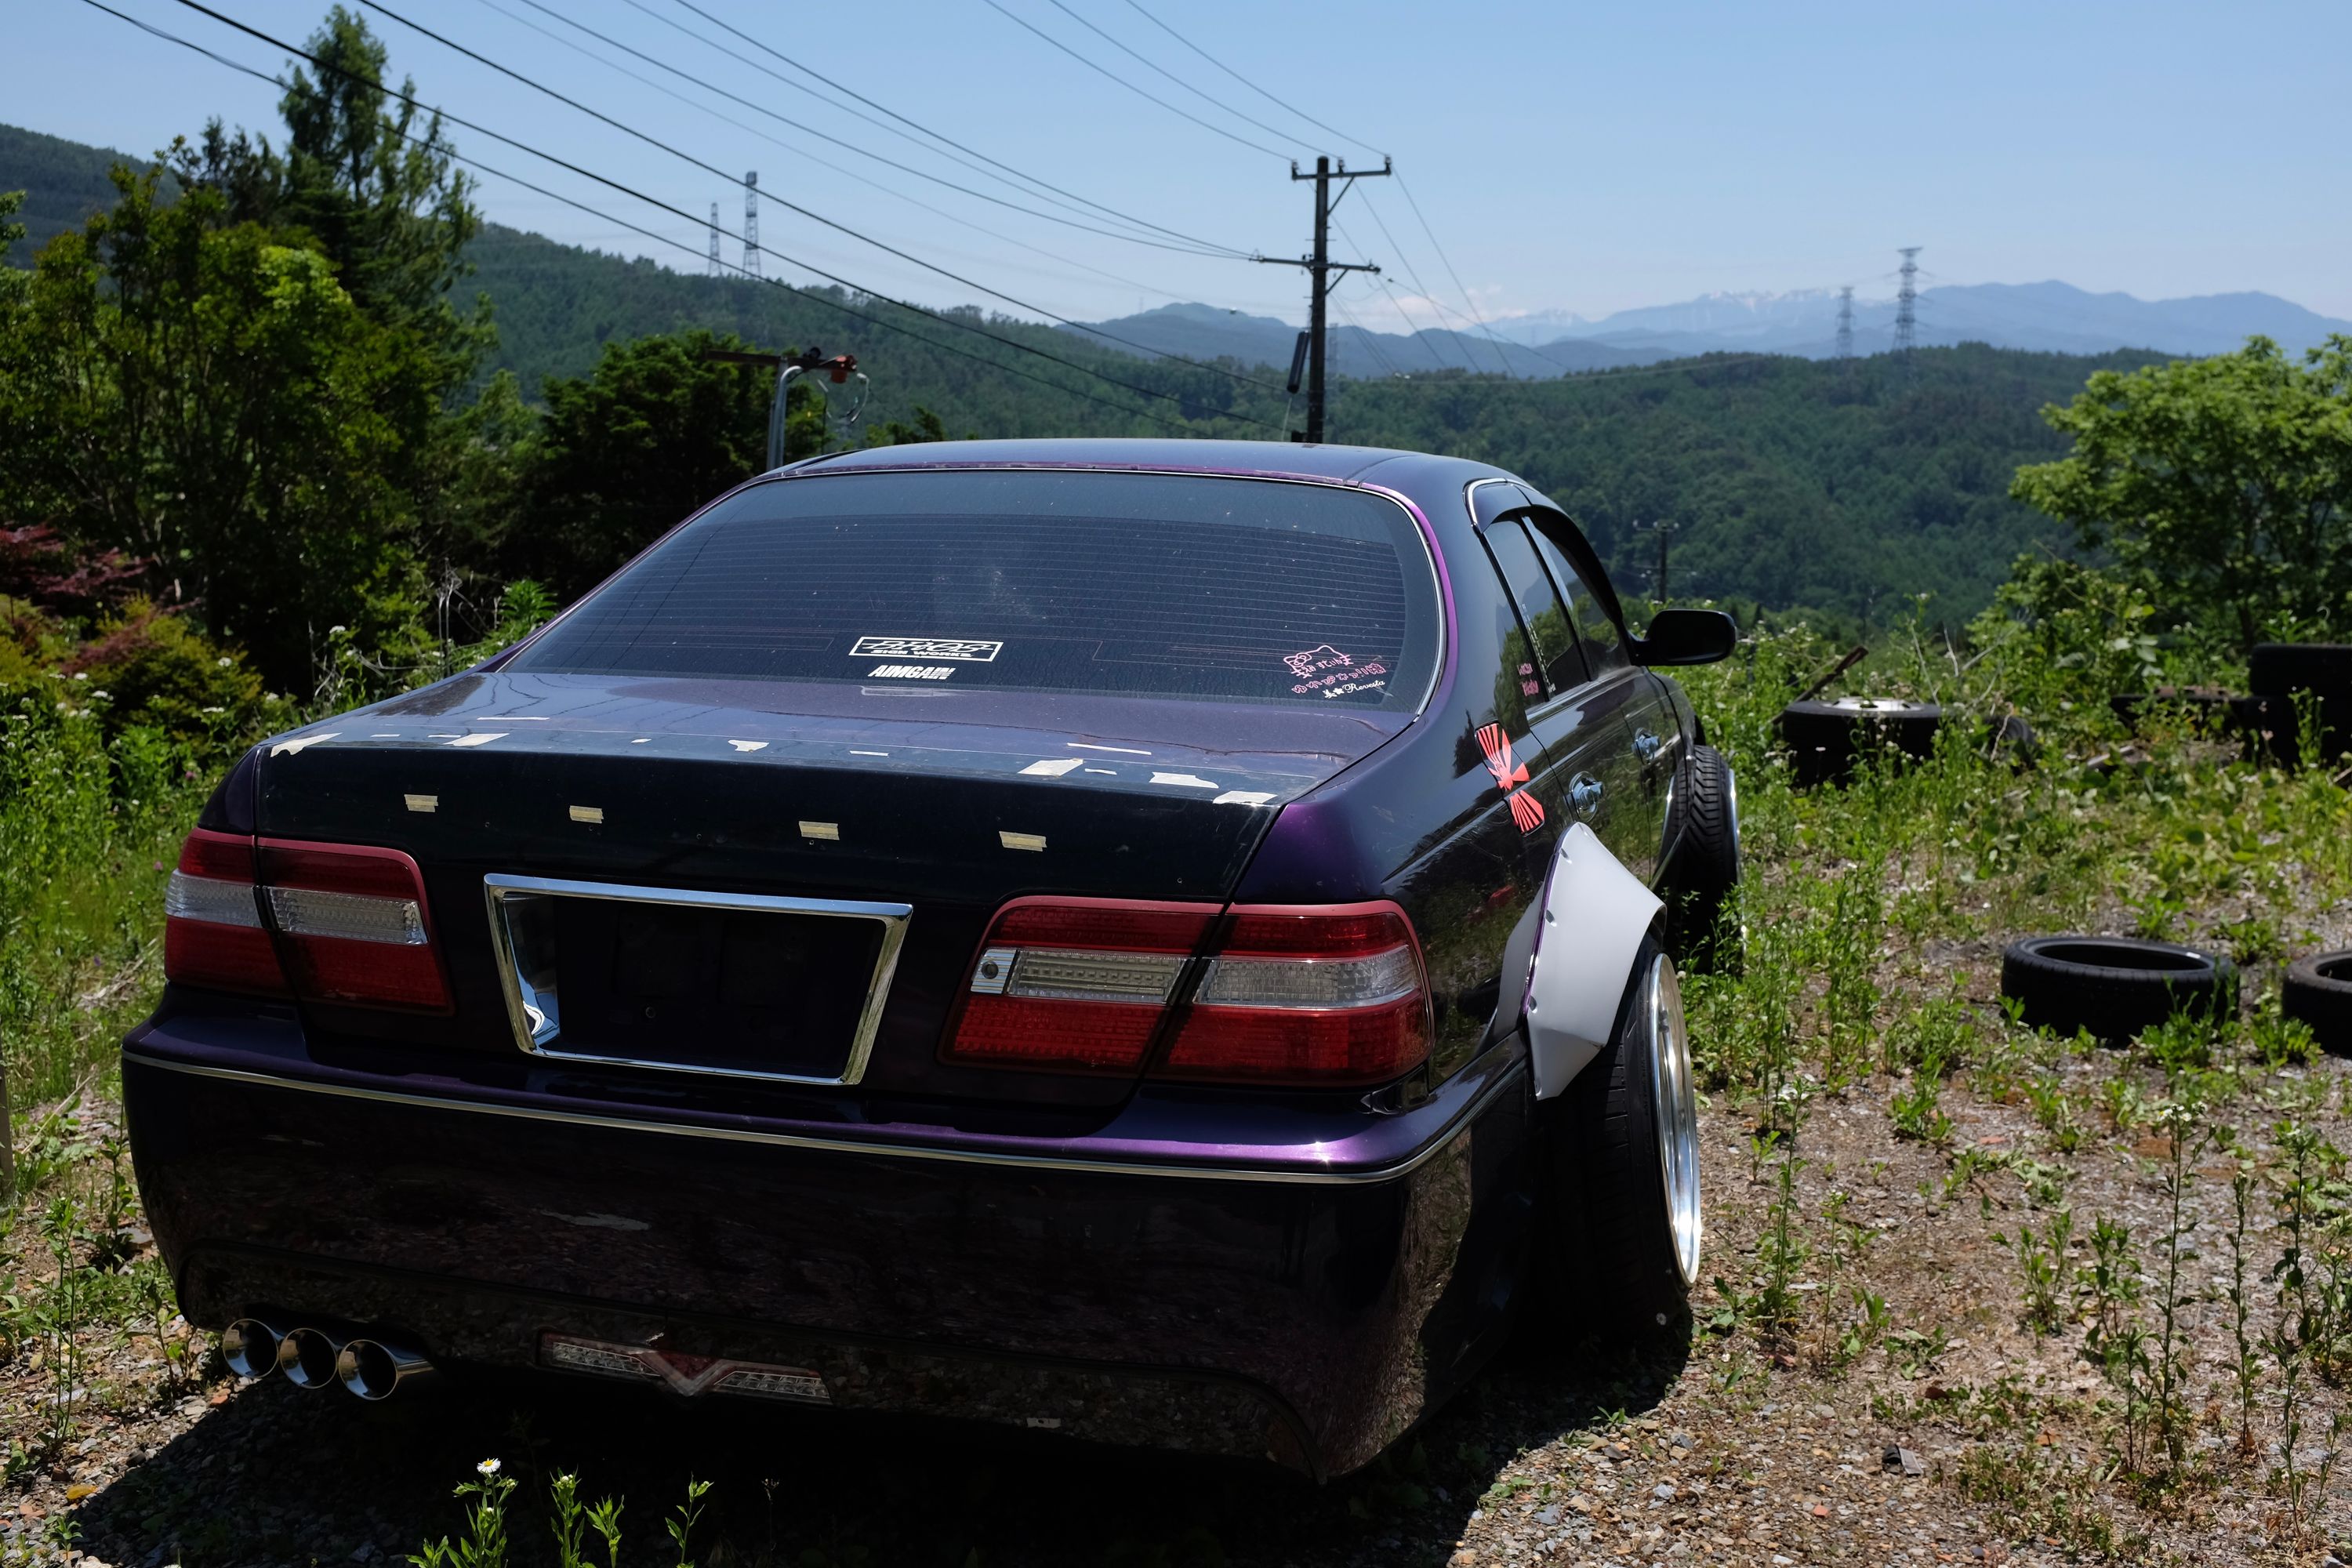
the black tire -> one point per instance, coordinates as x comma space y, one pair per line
1824, 739
2269, 730
1607, 1258
2278, 668
2205, 712
1704, 871
2011, 740
2114, 986
2318, 993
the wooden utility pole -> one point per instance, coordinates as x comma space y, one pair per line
1322, 273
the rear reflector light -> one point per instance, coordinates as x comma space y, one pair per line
1287, 996
213, 934
344, 924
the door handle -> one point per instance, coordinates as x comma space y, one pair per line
1584, 793
1646, 744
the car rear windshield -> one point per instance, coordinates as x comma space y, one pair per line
1132, 584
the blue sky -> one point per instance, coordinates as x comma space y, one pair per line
1569, 156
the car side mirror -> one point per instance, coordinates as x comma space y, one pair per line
1688, 637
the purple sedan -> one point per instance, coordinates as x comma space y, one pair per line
1172, 943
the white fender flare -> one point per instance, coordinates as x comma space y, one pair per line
1595, 914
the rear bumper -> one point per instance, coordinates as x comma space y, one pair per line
1280, 1304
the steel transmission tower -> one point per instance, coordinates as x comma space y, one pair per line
1907, 301
714, 239
751, 223
1845, 322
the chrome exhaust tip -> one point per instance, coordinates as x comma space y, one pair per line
250, 1347
307, 1357
376, 1369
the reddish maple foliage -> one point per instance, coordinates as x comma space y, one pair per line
38, 565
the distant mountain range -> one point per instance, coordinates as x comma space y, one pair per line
2051, 317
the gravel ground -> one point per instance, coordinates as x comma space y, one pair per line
1724, 1449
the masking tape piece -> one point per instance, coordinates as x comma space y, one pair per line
1022, 840
829, 831
587, 813
422, 801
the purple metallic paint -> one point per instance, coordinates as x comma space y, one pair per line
1343, 1266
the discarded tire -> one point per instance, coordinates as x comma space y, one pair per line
2114, 986
2011, 740
2276, 674
1824, 739
2204, 713
2278, 668
1705, 870
2318, 993
2268, 728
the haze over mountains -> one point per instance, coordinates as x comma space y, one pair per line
2050, 318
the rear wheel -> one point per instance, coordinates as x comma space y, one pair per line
1619, 1249
1704, 871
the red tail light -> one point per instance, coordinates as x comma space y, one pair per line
1328, 996
213, 934
1308, 996
349, 923
1075, 984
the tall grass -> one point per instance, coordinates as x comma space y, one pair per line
89, 827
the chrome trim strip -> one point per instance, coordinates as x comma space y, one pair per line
1443, 1138
535, 1026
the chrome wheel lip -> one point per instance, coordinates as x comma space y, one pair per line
1674, 1098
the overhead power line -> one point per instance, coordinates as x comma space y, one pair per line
845, 173
913, 125
751, 190
1152, 64
1139, 91
656, 202
717, 231
1438, 245
1280, 104
1187, 248
1428, 294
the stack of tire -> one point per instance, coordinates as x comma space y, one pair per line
2266, 718
2278, 675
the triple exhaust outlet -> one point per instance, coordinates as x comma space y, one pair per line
317, 1358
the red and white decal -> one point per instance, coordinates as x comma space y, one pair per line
1511, 775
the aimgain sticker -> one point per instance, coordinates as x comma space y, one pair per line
910, 672
969, 650
1510, 774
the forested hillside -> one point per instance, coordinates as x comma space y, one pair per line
1791, 483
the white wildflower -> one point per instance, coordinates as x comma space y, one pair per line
487, 1467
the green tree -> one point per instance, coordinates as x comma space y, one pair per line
652, 433
2227, 480
202, 394
370, 181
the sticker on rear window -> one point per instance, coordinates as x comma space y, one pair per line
969, 649
1326, 671
910, 672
